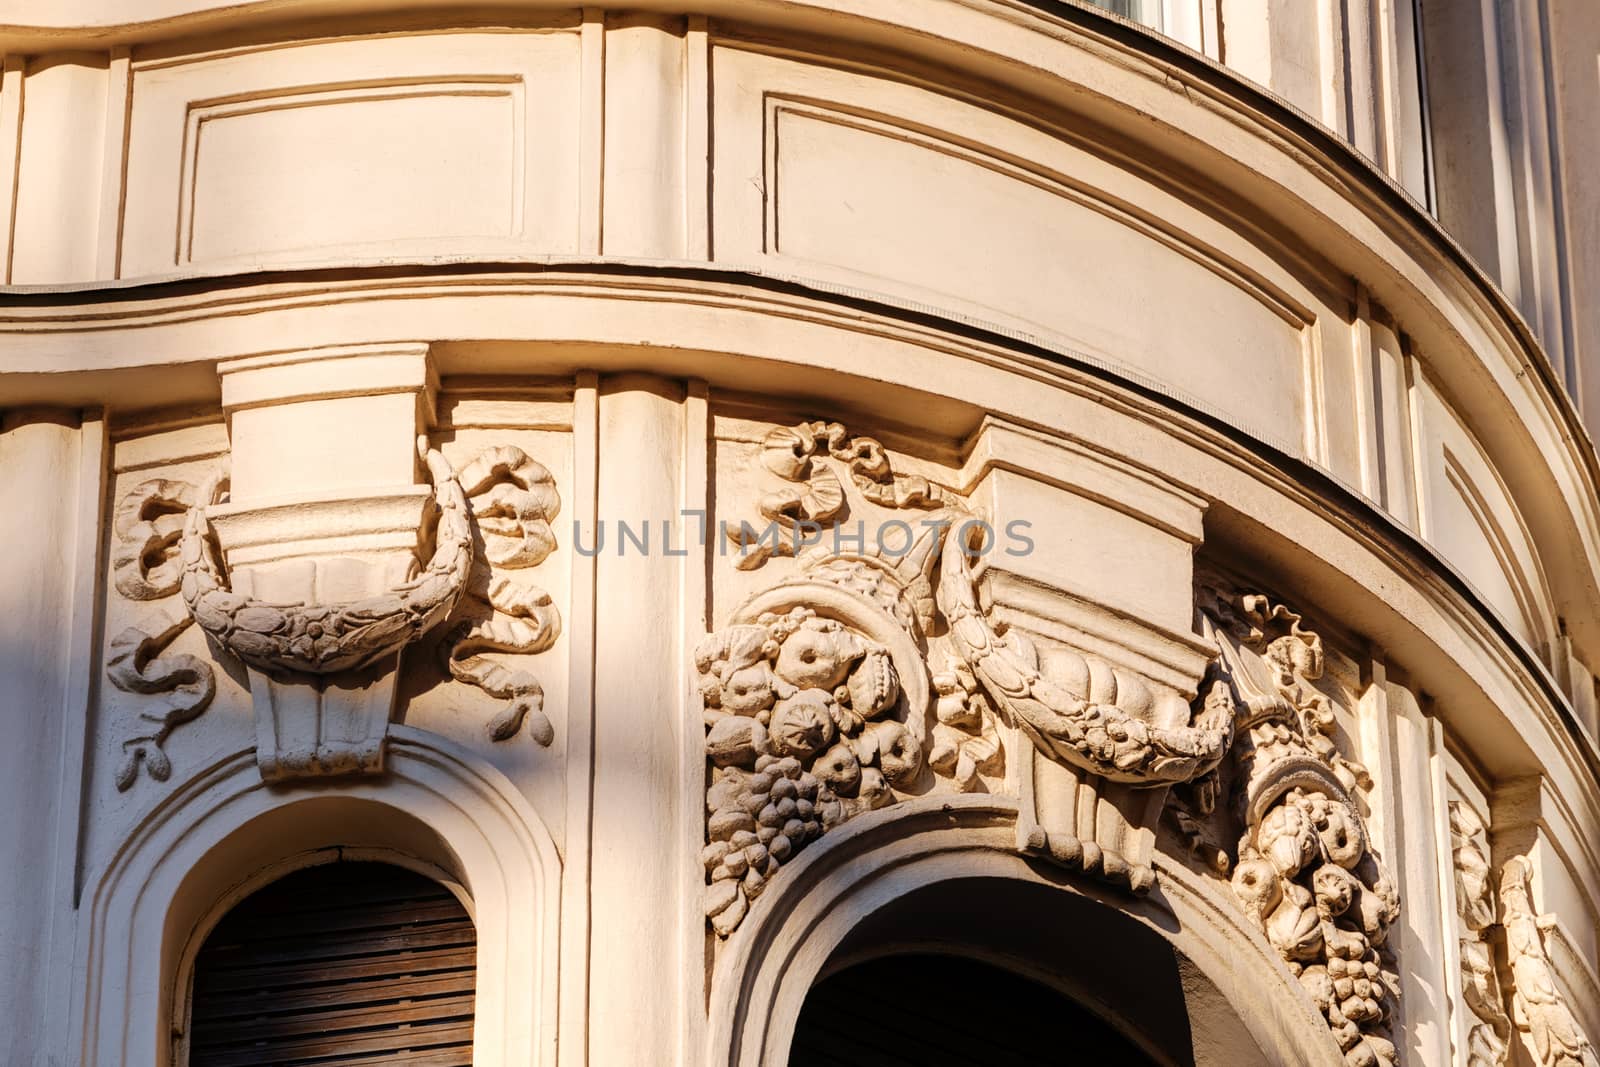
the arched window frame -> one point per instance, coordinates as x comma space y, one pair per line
224, 833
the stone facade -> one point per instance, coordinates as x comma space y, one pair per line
695, 477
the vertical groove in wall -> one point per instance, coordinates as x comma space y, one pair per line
114, 163
696, 497
573, 1013
1444, 868
1365, 372
697, 139
12, 93
592, 135
82, 676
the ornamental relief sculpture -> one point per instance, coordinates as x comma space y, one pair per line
321, 639
1489, 1032
301, 651
1537, 1004
147, 566
865, 677
1304, 868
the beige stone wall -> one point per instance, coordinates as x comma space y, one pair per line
338, 335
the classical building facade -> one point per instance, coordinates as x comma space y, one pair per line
722, 533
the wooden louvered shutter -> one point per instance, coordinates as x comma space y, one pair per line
336, 966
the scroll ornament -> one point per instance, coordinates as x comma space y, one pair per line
328, 638
1307, 873
1490, 1032
146, 566
1537, 1004
513, 498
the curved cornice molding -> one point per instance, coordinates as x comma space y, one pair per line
89, 346
33, 26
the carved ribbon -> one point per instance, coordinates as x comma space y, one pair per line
513, 499
148, 524
819, 496
186, 682
328, 638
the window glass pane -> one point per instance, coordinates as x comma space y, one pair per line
1132, 9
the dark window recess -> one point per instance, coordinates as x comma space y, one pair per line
342, 965
946, 1011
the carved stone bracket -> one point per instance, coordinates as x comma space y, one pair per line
1111, 743
317, 668
330, 638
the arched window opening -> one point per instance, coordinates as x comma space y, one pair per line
338, 965
946, 1011
1010, 971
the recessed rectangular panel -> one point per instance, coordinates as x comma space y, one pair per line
395, 146
905, 210
353, 168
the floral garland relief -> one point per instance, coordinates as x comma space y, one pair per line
1306, 871
859, 679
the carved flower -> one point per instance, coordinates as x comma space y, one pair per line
802, 724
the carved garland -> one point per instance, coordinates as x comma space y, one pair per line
165, 547
1083, 715
329, 638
